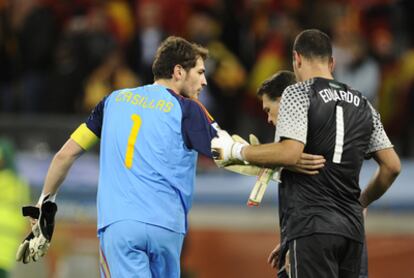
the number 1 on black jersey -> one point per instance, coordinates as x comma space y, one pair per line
339, 140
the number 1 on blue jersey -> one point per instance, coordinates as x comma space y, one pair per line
136, 119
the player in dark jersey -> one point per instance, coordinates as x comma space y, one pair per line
270, 92
321, 216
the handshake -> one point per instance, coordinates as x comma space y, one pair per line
227, 154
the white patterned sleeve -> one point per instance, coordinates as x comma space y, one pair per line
292, 122
379, 139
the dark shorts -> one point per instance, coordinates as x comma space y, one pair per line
325, 256
363, 273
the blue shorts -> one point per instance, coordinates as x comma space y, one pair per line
131, 248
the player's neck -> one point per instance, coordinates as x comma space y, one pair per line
313, 70
169, 83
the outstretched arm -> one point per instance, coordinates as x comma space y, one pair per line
388, 170
284, 153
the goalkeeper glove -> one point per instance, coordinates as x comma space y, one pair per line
225, 149
252, 170
242, 167
37, 242
234, 164
247, 169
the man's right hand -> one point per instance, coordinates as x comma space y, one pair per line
37, 242
308, 164
225, 149
242, 167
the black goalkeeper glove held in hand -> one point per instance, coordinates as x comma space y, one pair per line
37, 242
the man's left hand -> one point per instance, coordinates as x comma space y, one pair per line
308, 164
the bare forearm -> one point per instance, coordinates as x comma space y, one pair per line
56, 174
60, 165
378, 185
389, 169
285, 153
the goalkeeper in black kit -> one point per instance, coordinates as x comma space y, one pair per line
270, 92
321, 219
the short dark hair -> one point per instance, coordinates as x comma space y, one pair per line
274, 86
313, 43
176, 51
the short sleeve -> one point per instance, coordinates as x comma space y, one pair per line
198, 127
379, 139
292, 122
95, 119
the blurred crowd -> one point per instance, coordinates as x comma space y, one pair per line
63, 56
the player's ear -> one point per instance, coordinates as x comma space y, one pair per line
178, 72
297, 59
331, 64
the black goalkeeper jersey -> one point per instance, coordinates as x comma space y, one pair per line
337, 122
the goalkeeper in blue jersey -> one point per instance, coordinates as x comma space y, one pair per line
149, 140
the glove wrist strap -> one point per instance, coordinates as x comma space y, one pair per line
42, 197
236, 151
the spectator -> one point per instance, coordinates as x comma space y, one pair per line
148, 36
360, 70
111, 75
14, 194
36, 31
84, 46
225, 73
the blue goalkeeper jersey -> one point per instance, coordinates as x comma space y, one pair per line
150, 137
